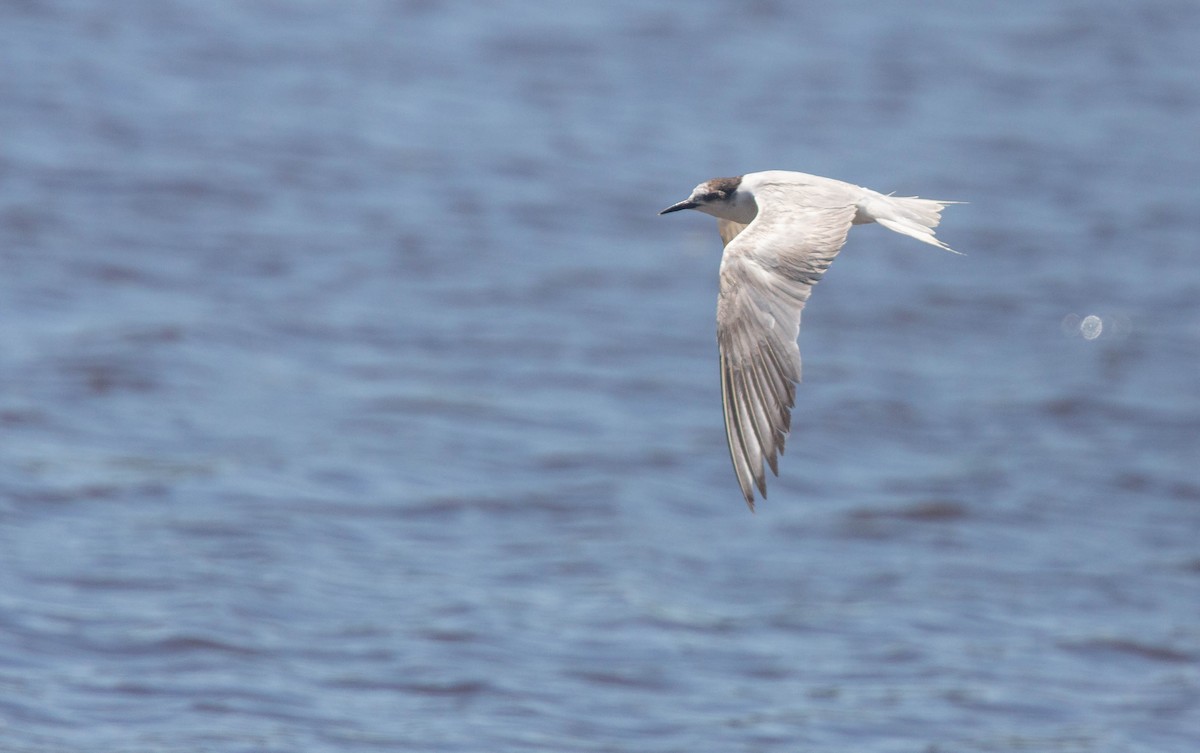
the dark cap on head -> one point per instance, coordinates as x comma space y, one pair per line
725, 185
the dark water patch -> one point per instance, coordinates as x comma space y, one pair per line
37, 494
1184, 491
1143, 483
113, 273
1099, 648
881, 524
27, 225
17, 418
632, 679
560, 502
175, 646
107, 375
928, 511
449, 636
459, 689
100, 583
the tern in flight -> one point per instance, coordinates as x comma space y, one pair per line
781, 231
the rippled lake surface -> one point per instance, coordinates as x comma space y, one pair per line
353, 397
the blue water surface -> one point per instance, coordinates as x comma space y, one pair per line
353, 396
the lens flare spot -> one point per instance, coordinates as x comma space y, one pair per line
1091, 327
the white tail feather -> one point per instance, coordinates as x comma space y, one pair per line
907, 215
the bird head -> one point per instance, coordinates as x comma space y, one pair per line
720, 198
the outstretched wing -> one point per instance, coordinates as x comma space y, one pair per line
767, 273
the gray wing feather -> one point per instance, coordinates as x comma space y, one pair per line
767, 273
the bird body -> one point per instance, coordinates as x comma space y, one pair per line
781, 231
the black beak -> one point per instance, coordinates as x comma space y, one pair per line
685, 204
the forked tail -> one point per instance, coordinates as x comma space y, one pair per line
906, 215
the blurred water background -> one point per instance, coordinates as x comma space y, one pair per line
353, 397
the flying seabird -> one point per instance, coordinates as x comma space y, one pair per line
781, 230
